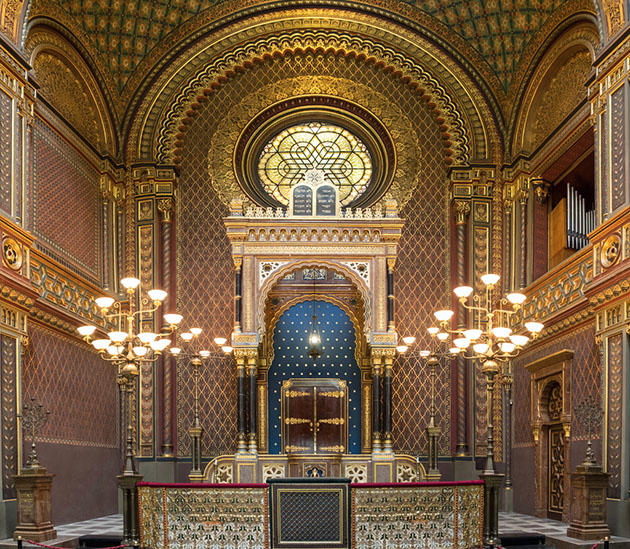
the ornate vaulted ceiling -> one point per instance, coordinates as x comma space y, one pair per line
126, 32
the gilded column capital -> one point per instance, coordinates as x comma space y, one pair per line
238, 263
523, 195
245, 354
391, 263
541, 189
165, 207
461, 209
381, 353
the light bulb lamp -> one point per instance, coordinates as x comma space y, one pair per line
186, 351
314, 338
127, 348
490, 340
433, 359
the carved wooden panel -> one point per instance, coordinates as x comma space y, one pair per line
614, 407
8, 423
618, 132
314, 416
555, 484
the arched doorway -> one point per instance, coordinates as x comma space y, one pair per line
337, 364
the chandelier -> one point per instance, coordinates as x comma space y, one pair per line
490, 339
126, 345
314, 338
187, 352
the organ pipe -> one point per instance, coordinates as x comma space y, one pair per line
579, 221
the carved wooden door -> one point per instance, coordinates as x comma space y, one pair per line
314, 416
555, 468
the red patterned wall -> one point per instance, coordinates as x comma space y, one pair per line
65, 204
421, 287
75, 384
586, 379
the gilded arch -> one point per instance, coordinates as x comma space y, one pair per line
320, 297
463, 112
564, 58
62, 68
360, 284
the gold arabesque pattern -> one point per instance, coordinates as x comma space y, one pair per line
241, 99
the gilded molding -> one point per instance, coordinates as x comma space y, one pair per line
614, 16
71, 86
182, 106
10, 12
285, 269
221, 147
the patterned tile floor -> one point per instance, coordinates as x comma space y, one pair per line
112, 524
508, 523
516, 522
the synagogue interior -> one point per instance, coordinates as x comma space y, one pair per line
368, 257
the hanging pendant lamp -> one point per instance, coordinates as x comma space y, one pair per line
314, 339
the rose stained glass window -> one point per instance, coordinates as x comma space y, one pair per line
342, 156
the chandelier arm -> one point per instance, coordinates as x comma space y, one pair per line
506, 311
141, 311
475, 308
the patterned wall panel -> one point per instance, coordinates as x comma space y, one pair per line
421, 286
8, 418
217, 407
205, 278
5, 152
614, 420
61, 373
618, 130
292, 361
64, 182
586, 380
205, 296
146, 247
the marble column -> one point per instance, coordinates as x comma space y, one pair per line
252, 371
387, 403
241, 403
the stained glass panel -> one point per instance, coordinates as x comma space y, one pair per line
342, 156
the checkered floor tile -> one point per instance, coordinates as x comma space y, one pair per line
515, 522
112, 524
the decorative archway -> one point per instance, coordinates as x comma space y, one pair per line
551, 423
290, 362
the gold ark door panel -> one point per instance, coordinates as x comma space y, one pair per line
314, 416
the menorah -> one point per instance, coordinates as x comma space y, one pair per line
33, 418
589, 413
